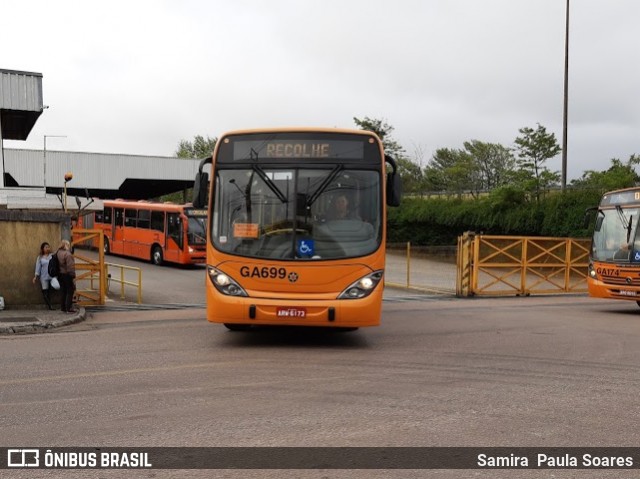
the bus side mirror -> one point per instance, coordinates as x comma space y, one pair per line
200, 190
394, 184
394, 189
587, 218
201, 184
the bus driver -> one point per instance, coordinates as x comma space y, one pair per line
340, 209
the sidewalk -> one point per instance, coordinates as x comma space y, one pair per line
18, 321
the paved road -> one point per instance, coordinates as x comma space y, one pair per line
545, 371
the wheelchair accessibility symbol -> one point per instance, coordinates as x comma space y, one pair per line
306, 247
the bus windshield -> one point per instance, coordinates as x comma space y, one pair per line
197, 230
616, 235
297, 213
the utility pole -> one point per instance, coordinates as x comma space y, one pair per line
566, 101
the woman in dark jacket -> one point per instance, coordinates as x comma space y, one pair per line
67, 276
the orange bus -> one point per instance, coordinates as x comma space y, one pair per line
614, 266
157, 232
297, 227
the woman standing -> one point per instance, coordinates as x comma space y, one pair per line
67, 276
42, 272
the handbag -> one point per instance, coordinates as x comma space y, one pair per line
55, 284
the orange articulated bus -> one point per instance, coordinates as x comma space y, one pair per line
614, 266
156, 232
297, 227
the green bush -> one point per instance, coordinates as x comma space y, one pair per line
506, 211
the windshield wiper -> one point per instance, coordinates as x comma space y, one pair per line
627, 224
330, 177
272, 186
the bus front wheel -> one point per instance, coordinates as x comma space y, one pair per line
156, 256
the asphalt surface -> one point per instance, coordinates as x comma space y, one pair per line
556, 371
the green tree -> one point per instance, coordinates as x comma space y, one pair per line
383, 130
451, 170
494, 163
410, 172
200, 147
534, 148
619, 175
479, 167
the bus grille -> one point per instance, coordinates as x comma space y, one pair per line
622, 280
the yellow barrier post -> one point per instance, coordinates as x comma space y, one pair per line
524, 265
123, 282
474, 261
87, 268
122, 296
408, 264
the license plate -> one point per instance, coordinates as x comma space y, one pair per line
291, 312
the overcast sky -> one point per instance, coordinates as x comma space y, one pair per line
138, 76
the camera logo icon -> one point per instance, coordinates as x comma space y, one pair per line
23, 457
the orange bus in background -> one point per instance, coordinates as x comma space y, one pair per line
156, 232
614, 263
297, 227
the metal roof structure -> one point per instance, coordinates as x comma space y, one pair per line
103, 175
20, 103
98, 175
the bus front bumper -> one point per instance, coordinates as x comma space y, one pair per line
600, 289
323, 313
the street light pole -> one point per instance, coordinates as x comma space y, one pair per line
566, 101
44, 160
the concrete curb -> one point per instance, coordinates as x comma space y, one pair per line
40, 321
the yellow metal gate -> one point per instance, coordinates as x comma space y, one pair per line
507, 265
90, 274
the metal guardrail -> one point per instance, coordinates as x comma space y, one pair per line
96, 272
88, 270
505, 265
123, 281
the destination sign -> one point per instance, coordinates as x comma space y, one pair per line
621, 198
195, 212
298, 150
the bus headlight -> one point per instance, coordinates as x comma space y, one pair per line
592, 271
224, 283
363, 287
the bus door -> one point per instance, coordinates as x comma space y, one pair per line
157, 227
175, 237
106, 220
131, 242
117, 245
